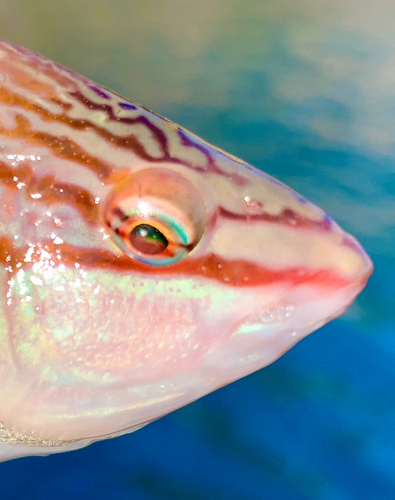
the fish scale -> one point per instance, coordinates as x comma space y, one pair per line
140, 267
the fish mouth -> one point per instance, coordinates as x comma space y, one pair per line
292, 310
262, 338
302, 309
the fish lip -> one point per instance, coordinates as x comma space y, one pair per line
288, 310
284, 309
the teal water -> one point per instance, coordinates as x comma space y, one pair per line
305, 91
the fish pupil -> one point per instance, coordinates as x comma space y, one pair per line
148, 240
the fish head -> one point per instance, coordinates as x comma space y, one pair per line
254, 267
141, 267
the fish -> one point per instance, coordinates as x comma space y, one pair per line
140, 267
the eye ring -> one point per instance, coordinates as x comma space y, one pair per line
156, 216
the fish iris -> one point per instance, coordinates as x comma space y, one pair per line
148, 240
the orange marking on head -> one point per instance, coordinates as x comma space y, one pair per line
52, 191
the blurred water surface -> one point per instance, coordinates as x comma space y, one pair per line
305, 91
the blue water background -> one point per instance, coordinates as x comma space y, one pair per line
307, 94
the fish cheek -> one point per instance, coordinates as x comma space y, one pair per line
99, 329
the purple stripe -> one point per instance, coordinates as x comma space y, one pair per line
127, 105
287, 217
99, 92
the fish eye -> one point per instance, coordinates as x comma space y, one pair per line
155, 216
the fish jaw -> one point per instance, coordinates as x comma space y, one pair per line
262, 338
219, 360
